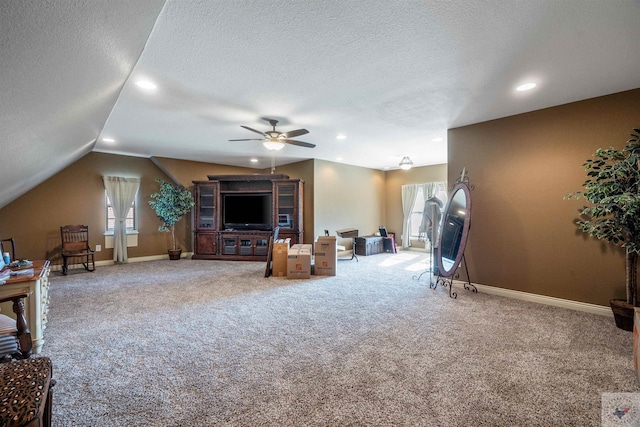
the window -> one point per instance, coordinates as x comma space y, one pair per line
416, 215
418, 207
132, 223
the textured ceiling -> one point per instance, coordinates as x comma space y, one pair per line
390, 75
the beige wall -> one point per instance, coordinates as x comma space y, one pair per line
348, 197
523, 234
76, 196
395, 179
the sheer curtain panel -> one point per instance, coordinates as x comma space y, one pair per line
409, 193
121, 192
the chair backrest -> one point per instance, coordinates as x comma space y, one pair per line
4, 242
75, 238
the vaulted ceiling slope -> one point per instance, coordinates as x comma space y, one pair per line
391, 76
63, 64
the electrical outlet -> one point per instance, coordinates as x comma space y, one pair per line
98, 248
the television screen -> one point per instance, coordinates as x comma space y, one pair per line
247, 211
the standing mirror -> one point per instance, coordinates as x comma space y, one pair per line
454, 230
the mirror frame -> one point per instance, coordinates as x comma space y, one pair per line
465, 230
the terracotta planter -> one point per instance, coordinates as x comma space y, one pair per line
622, 313
175, 254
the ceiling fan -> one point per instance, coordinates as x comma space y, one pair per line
275, 140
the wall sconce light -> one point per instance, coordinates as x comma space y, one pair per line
406, 163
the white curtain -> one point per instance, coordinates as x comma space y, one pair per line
409, 193
121, 192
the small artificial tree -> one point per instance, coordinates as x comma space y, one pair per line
171, 204
613, 187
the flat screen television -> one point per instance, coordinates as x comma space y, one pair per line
246, 211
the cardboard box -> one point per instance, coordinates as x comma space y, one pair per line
280, 253
326, 256
299, 262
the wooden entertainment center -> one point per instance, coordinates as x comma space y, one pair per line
235, 215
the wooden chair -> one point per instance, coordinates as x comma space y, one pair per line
75, 244
15, 336
4, 242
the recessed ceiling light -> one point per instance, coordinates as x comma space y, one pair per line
254, 160
108, 140
386, 167
436, 139
525, 86
341, 136
339, 159
146, 84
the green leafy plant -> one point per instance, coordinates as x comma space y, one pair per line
171, 204
612, 187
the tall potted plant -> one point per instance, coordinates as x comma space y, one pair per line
613, 189
170, 204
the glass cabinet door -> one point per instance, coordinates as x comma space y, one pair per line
206, 207
261, 246
286, 205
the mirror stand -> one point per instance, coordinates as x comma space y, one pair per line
447, 282
454, 230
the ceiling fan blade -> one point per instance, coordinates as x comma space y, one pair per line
257, 139
298, 143
253, 130
294, 133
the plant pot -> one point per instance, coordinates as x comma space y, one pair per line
174, 254
622, 313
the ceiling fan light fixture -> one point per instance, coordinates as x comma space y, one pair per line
406, 163
525, 87
273, 145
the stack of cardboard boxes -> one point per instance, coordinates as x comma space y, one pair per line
296, 262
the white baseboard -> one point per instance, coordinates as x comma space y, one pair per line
543, 299
103, 263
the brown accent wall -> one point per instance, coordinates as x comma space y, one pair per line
348, 197
335, 196
523, 234
76, 196
395, 179
184, 172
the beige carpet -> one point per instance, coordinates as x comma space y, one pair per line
199, 343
